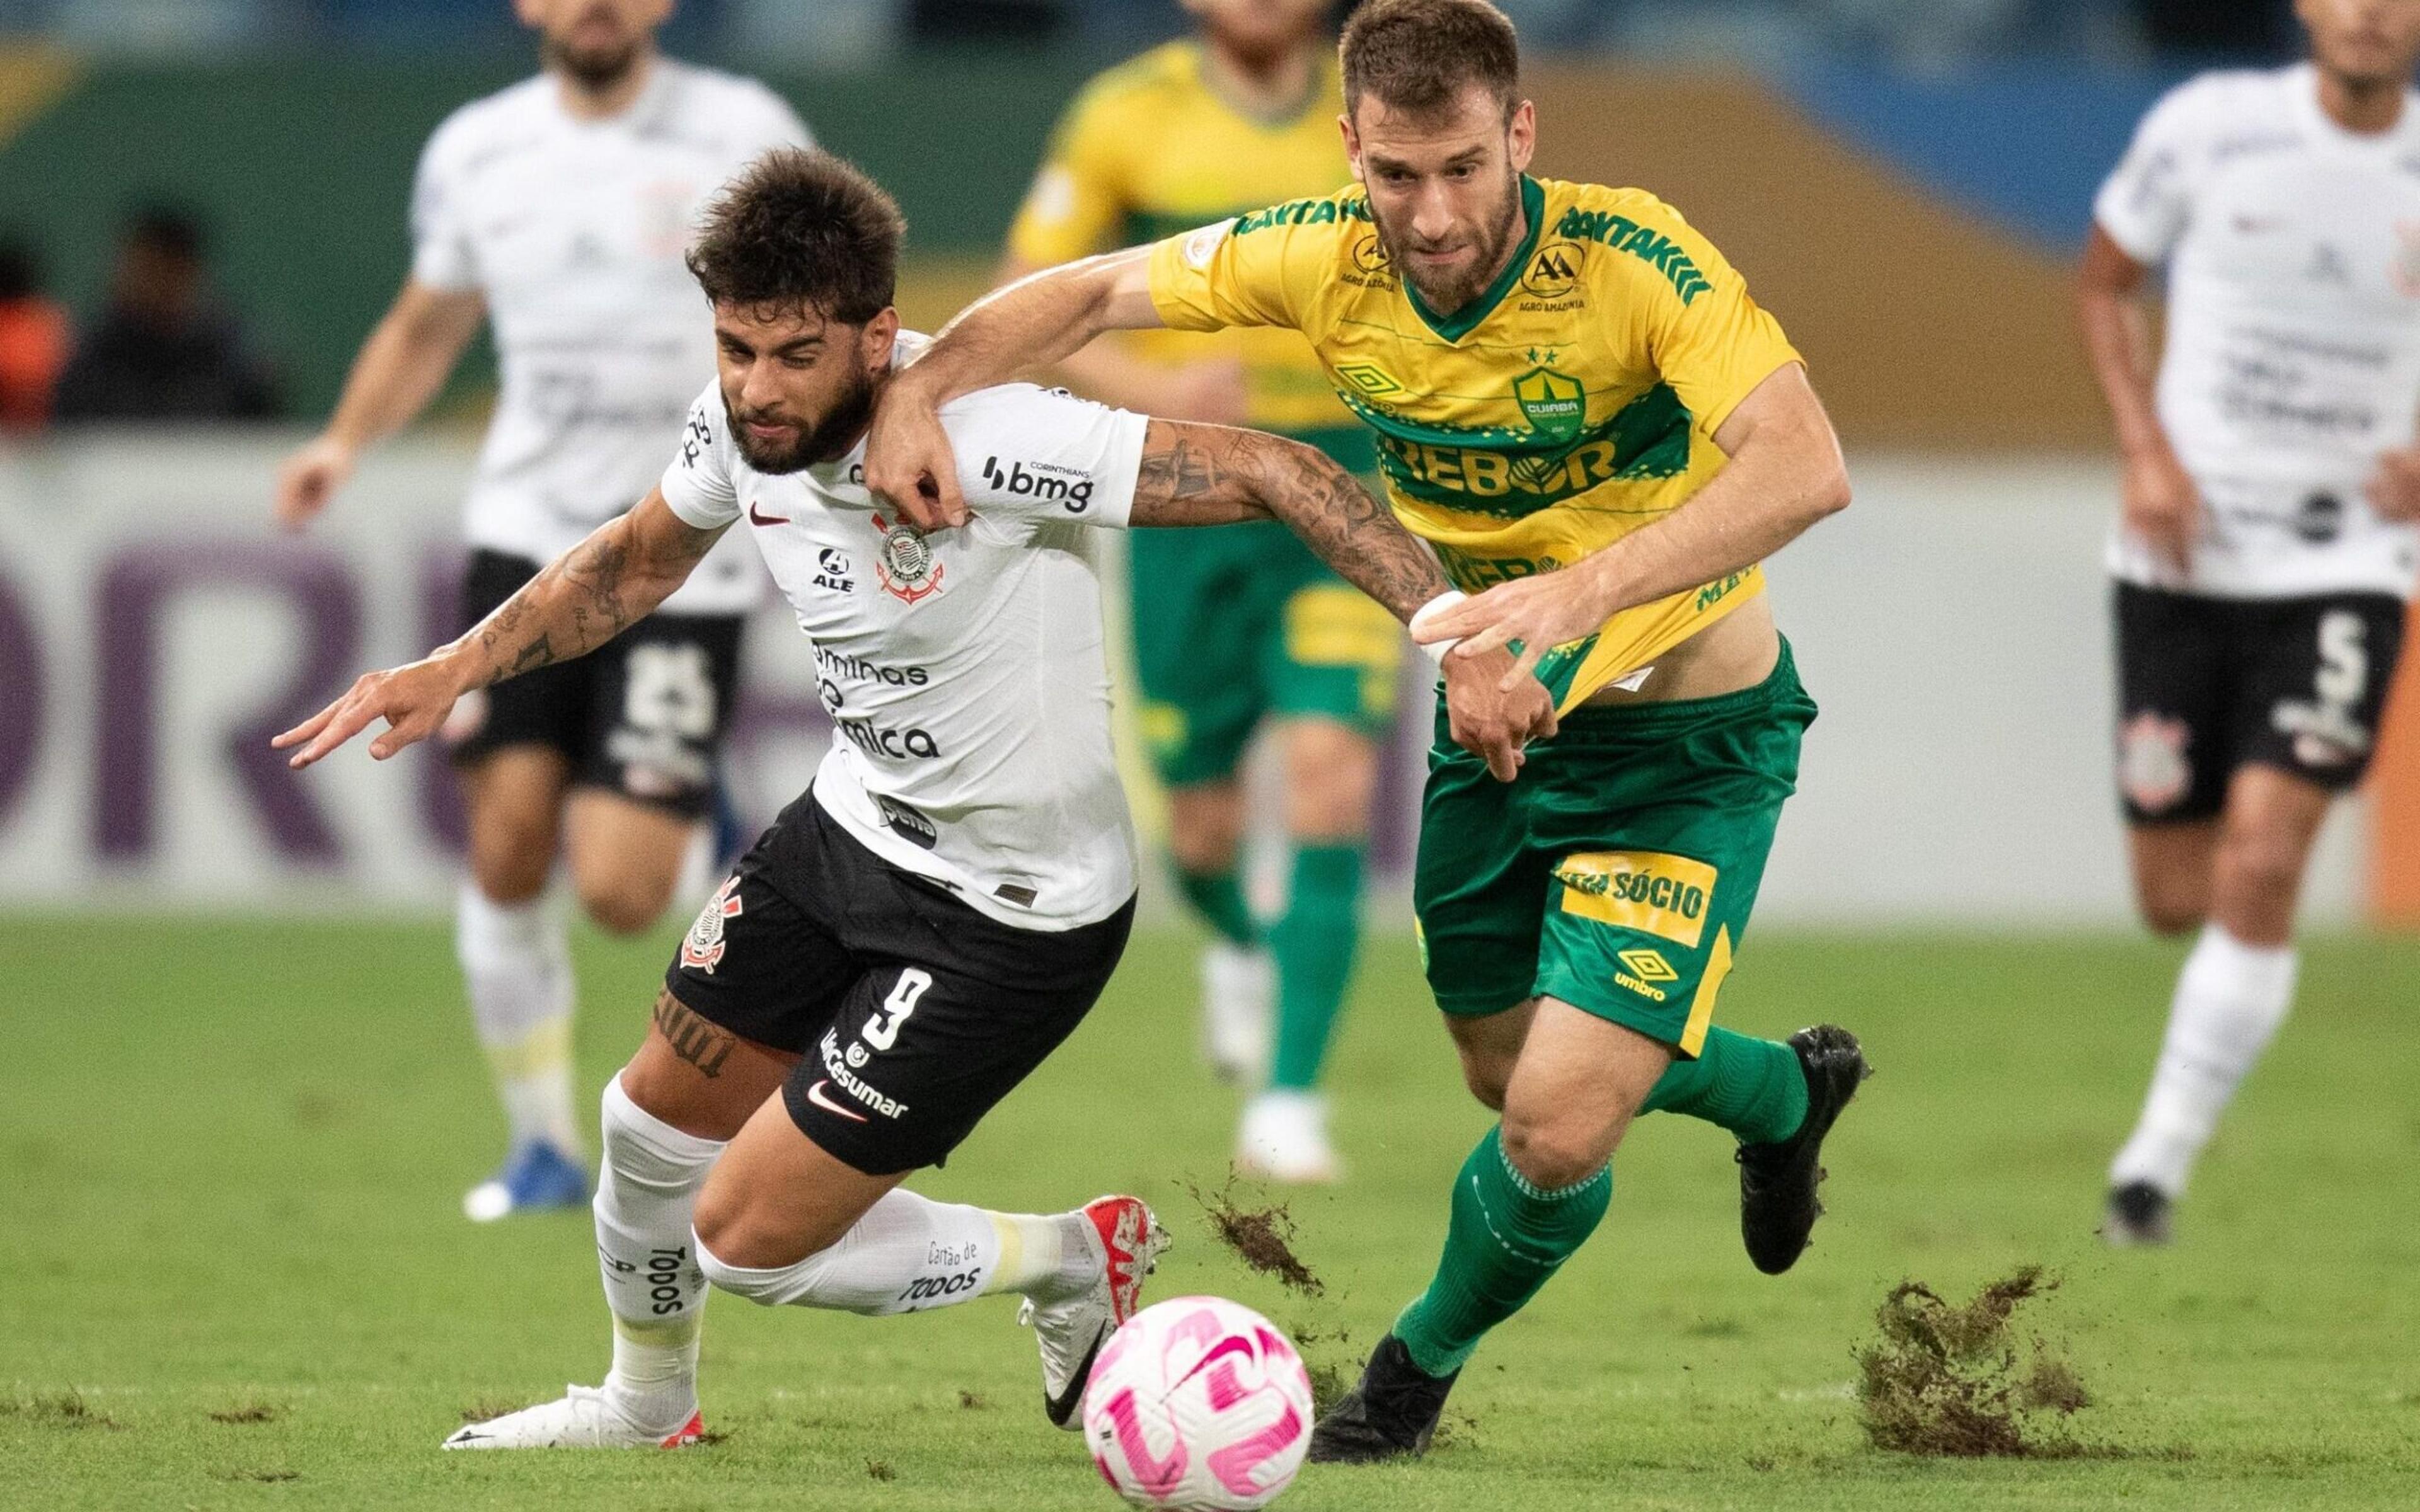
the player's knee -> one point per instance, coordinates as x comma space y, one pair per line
758, 1283
740, 1247
2257, 864
1331, 777
2172, 911
1487, 1077
510, 862
1205, 827
625, 905
1550, 1152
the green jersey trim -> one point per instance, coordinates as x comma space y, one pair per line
1349, 447
1465, 321
1492, 472
1145, 226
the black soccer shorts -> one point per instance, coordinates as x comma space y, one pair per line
643, 715
2208, 684
915, 1012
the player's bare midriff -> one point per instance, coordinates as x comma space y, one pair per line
1735, 652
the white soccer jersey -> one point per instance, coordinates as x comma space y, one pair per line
573, 231
963, 669
2293, 328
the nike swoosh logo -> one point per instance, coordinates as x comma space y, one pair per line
756, 518
816, 1095
1062, 1407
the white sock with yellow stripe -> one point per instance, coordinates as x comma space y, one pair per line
517, 972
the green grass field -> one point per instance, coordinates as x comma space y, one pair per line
235, 1274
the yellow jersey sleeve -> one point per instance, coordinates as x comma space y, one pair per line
1078, 200
1257, 269
1703, 332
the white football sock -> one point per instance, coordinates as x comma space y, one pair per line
909, 1253
519, 973
646, 1193
2230, 998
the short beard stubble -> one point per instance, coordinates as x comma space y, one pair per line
829, 442
1498, 235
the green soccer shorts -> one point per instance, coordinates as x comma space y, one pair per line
1616, 874
1242, 623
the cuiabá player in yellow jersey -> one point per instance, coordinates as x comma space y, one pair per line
1580, 405
1239, 628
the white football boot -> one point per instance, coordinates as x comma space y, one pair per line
1126, 1241
582, 1419
1284, 1139
1238, 995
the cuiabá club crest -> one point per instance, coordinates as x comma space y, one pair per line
1555, 405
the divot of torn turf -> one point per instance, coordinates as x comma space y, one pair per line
65, 1409
249, 1412
1956, 1381
1261, 1238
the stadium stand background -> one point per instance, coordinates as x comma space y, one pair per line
1904, 183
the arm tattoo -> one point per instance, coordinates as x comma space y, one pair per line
691, 1038
593, 593
1177, 473
1211, 475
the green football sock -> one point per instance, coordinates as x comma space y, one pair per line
1218, 898
1314, 944
1506, 1237
1754, 1088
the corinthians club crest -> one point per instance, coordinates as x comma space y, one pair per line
702, 947
908, 571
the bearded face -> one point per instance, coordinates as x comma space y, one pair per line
1445, 188
595, 42
774, 441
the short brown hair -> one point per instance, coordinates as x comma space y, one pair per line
1419, 55
805, 230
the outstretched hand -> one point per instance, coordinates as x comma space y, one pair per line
909, 463
1534, 614
413, 700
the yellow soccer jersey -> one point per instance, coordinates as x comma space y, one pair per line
1572, 403
1150, 149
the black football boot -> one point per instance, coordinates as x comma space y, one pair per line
1391, 1416
1777, 1180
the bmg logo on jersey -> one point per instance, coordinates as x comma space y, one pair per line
1071, 487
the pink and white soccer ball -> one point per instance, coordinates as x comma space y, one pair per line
1198, 1405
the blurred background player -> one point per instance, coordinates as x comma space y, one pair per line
1238, 627
560, 206
2265, 550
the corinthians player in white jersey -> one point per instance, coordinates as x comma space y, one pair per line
920, 930
2267, 544
558, 209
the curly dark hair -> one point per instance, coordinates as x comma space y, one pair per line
1419, 55
800, 229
